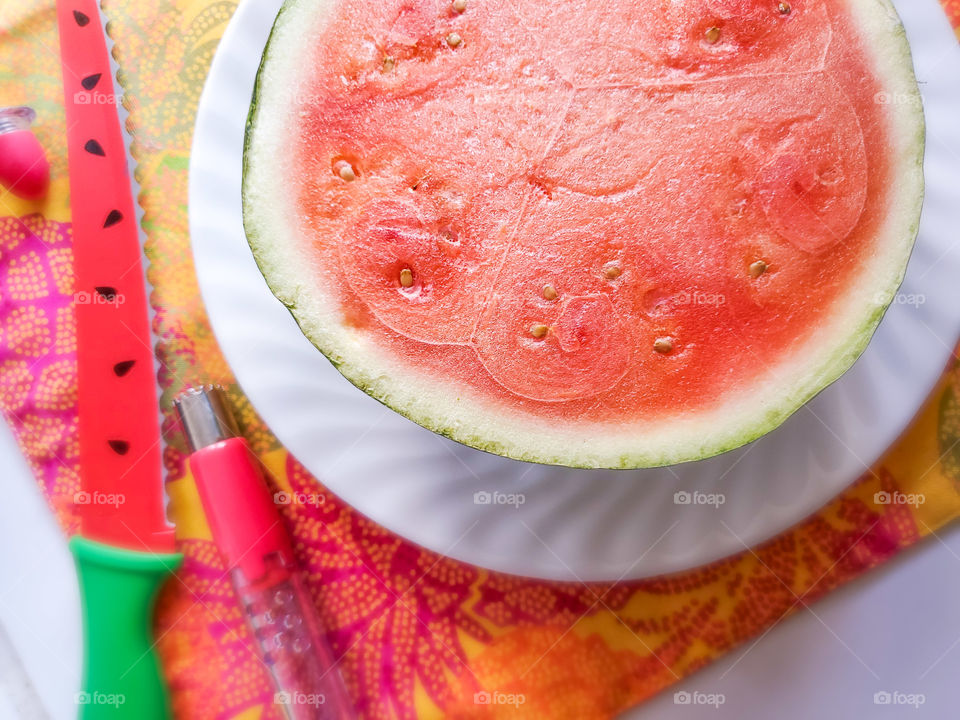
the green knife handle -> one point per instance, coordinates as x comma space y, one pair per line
118, 591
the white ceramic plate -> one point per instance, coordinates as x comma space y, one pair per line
557, 522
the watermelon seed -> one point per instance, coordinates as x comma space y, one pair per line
106, 292
830, 176
712, 35
663, 345
388, 64
420, 180
90, 81
120, 447
113, 217
459, 6
549, 292
406, 277
454, 39
538, 330
345, 171
757, 268
123, 367
784, 8
612, 272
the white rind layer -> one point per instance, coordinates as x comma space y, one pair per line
276, 237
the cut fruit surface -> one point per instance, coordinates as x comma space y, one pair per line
613, 235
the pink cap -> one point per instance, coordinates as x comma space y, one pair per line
24, 169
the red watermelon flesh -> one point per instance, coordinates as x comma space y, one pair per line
588, 214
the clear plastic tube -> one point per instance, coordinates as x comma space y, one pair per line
291, 644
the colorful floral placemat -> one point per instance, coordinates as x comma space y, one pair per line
422, 636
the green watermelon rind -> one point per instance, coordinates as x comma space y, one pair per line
576, 447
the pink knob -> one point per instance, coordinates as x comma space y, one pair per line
24, 169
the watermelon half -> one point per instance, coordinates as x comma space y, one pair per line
615, 234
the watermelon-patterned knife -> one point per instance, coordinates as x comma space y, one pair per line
125, 548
